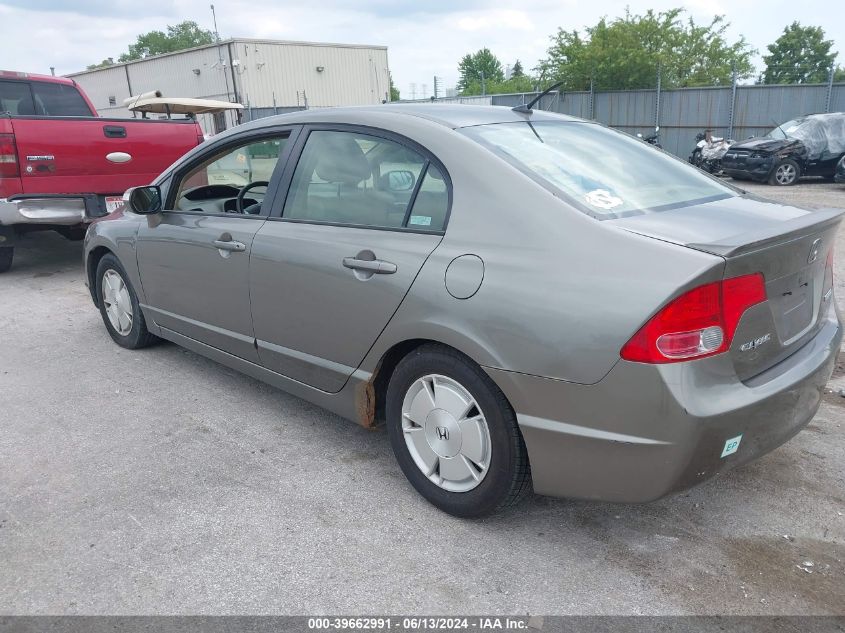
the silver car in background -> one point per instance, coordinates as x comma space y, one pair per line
526, 300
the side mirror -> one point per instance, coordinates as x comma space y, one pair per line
399, 180
143, 200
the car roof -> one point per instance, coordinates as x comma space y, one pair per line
450, 115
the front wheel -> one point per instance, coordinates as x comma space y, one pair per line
785, 173
454, 434
7, 253
119, 307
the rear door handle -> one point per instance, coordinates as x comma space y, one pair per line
377, 266
229, 245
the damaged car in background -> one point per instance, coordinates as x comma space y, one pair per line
808, 145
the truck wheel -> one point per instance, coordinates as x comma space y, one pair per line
454, 433
119, 307
786, 173
6, 254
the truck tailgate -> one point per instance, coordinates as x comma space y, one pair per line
67, 155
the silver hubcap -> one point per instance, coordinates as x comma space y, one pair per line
117, 302
446, 433
785, 174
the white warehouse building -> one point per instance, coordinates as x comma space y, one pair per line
266, 76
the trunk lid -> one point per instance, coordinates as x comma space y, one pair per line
788, 245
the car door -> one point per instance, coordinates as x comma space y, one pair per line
329, 269
193, 257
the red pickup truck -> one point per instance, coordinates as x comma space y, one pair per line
61, 165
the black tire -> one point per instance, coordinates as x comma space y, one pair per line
794, 172
508, 477
695, 159
138, 336
7, 253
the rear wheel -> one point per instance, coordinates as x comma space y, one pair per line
119, 307
6, 255
785, 173
454, 434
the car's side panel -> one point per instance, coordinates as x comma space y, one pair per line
194, 288
314, 318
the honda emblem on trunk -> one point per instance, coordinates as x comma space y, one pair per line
814, 251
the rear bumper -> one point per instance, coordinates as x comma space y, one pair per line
646, 431
50, 209
65, 211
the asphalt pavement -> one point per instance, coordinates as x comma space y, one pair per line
159, 482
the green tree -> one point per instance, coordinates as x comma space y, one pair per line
108, 61
180, 36
800, 55
626, 52
517, 71
514, 84
394, 91
481, 64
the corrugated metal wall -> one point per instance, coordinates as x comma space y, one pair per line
685, 112
324, 74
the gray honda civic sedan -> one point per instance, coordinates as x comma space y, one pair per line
527, 301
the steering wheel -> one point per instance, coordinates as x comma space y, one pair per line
239, 201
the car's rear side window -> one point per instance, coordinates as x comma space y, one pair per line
351, 178
16, 98
605, 173
58, 100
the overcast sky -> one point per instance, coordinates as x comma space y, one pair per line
424, 37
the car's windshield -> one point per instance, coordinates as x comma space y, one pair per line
606, 173
785, 130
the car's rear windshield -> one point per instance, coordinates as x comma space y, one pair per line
605, 173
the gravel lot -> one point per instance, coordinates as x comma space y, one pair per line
161, 482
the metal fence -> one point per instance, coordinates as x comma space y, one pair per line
732, 111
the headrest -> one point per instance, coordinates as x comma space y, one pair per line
340, 158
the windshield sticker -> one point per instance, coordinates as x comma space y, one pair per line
420, 220
602, 199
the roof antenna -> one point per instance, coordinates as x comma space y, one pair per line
525, 108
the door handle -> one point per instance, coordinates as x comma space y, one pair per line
377, 266
229, 245
114, 131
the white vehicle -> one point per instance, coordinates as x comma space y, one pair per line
709, 151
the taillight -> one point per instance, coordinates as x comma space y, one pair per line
8, 157
699, 323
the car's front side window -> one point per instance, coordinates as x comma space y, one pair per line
358, 179
213, 185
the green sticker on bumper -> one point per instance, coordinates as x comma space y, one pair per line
731, 446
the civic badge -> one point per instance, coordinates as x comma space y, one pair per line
814, 251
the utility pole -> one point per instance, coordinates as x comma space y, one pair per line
220, 61
53, 70
657, 101
413, 91
483, 84
829, 89
733, 102
436, 87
